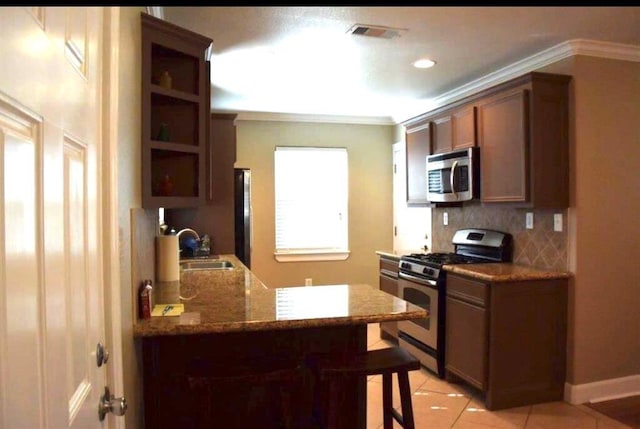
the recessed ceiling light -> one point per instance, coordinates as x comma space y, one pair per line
424, 63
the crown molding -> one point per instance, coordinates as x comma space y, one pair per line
331, 119
551, 55
613, 51
156, 11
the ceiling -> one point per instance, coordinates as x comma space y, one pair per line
303, 60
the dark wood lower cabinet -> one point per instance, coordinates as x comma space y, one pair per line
389, 284
467, 348
508, 339
170, 402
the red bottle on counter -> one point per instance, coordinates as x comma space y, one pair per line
145, 299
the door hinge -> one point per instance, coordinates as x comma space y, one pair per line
395, 168
395, 231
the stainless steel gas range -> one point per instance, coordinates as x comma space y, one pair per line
422, 281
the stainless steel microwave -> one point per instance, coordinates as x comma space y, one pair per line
453, 176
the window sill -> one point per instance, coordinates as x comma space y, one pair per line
312, 256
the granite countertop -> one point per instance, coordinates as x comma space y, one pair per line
396, 254
504, 272
236, 300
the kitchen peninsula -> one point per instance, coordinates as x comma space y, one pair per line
232, 321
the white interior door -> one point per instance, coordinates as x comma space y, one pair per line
51, 287
412, 225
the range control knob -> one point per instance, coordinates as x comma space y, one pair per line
428, 271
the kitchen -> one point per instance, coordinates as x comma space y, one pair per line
601, 224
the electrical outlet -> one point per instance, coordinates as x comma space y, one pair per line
307, 282
557, 222
445, 218
529, 220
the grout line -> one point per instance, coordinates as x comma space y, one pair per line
461, 412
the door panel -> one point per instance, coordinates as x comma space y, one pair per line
21, 352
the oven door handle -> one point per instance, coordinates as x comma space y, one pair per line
427, 282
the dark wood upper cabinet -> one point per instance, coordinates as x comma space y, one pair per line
442, 133
175, 113
523, 138
504, 143
418, 138
522, 129
464, 128
454, 129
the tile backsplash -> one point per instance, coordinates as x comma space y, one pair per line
540, 247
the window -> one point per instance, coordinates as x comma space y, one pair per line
312, 195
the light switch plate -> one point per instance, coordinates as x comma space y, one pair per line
445, 218
557, 222
529, 220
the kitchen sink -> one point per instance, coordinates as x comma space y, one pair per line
207, 265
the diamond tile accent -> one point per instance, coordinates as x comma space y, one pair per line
540, 247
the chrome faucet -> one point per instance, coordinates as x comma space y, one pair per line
188, 230
203, 248
183, 245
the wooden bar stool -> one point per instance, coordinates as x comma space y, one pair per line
281, 380
383, 361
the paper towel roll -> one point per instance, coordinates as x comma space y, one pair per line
167, 258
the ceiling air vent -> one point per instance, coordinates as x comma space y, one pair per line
375, 31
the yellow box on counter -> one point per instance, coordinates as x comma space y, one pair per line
167, 310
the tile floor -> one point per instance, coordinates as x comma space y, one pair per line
439, 405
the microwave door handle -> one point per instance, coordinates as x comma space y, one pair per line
452, 179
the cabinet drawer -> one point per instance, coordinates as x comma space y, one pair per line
467, 290
389, 265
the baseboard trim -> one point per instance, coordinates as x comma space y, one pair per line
602, 390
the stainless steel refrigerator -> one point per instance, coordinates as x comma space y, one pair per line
242, 186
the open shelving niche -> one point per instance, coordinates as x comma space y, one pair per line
174, 114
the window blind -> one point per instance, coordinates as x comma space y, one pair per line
311, 192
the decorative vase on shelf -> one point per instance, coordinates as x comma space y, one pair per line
165, 188
163, 133
165, 80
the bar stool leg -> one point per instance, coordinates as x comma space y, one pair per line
405, 400
387, 400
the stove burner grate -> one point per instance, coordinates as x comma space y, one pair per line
441, 258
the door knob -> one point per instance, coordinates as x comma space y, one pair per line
110, 404
102, 354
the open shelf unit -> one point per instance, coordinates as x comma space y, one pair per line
175, 111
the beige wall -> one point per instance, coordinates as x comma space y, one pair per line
129, 192
605, 212
370, 195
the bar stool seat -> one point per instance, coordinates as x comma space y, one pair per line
374, 362
280, 378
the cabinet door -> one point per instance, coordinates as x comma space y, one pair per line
389, 285
418, 147
464, 128
503, 137
466, 341
442, 134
